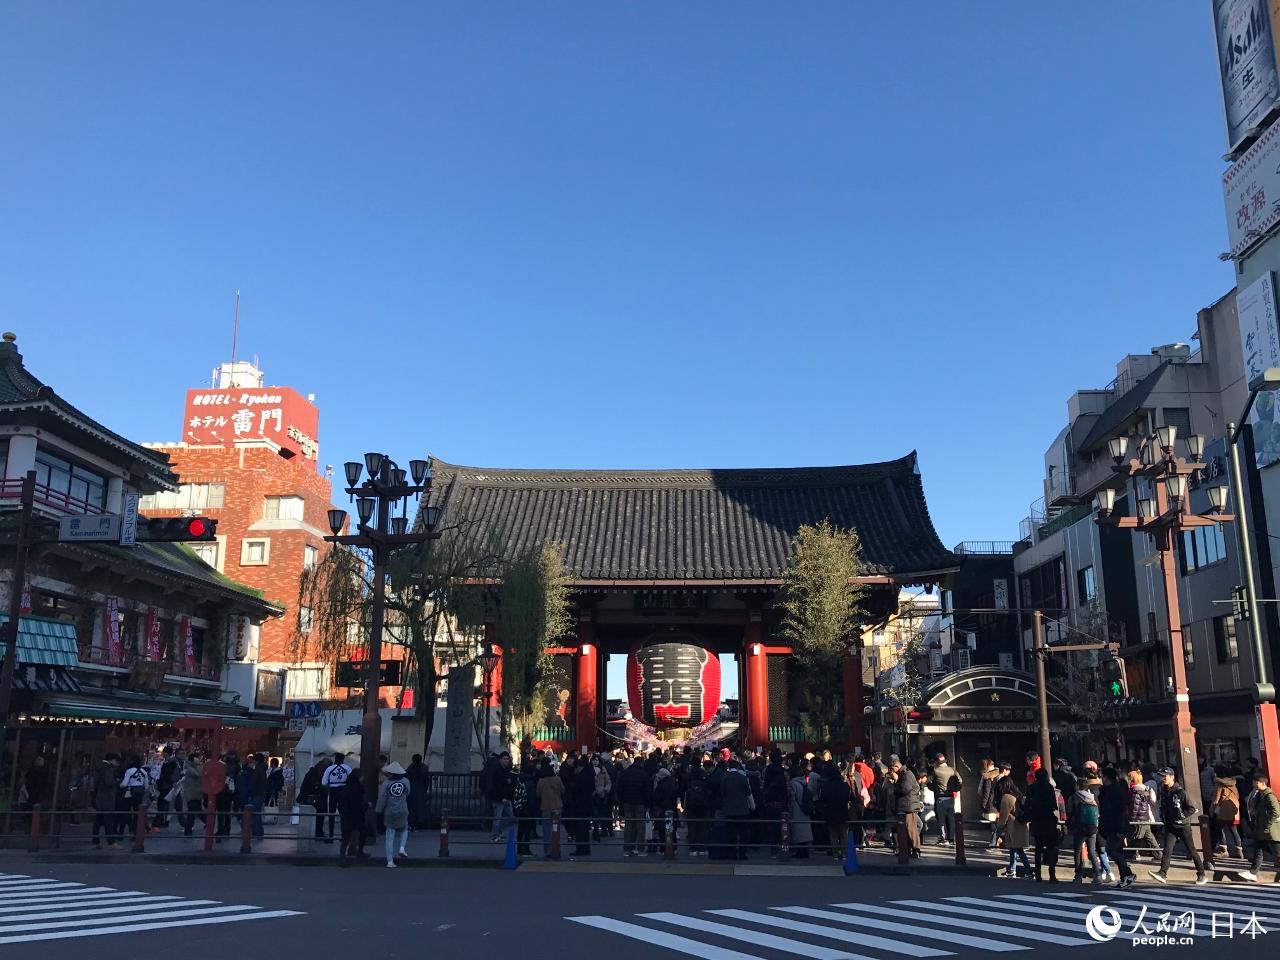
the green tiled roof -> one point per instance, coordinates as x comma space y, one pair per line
45, 642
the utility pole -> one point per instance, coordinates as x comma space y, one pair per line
22, 547
1264, 691
1040, 651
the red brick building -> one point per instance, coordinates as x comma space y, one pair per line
250, 460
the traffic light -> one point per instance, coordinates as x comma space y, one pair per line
1240, 603
176, 529
1114, 683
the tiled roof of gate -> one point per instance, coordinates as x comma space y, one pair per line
697, 524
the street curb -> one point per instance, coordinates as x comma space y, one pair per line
249, 859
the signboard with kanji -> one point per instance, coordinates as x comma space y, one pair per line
1246, 62
279, 414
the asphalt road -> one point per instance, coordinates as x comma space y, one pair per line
66, 911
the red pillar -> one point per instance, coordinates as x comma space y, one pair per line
1269, 740
757, 681
585, 712
854, 721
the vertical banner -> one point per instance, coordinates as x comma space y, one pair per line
188, 644
26, 597
1246, 63
238, 638
153, 634
112, 629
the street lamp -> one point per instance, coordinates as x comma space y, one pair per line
488, 663
383, 535
1164, 512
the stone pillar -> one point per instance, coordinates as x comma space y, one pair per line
854, 721
459, 730
756, 672
586, 704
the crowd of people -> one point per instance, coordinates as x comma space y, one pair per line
178, 788
729, 805
726, 805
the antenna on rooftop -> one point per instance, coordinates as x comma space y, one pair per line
235, 330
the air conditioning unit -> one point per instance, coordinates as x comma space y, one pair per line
961, 658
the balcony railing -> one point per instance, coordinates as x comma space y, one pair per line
125, 659
102, 657
984, 548
49, 499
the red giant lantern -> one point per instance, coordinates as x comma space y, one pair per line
673, 682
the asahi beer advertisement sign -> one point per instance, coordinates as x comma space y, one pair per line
1246, 62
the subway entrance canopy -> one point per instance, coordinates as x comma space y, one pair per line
697, 555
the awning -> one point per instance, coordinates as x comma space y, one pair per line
42, 679
142, 715
45, 642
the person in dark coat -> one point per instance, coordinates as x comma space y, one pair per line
418, 778
580, 804
311, 793
908, 802
634, 790
352, 807
1045, 813
1177, 814
106, 780
1113, 820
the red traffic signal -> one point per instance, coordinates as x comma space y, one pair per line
177, 529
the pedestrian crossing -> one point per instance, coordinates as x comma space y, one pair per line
948, 926
34, 909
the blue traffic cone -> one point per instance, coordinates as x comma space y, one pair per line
509, 862
850, 857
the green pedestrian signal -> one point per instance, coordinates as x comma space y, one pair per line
1111, 671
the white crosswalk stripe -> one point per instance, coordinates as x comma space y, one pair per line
927, 928
34, 909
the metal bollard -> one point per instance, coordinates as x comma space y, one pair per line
444, 833
555, 835
784, 837
246, 829
1206, 843
139, 829
958, 829
210, 817
670, 852
904, 841
33, 839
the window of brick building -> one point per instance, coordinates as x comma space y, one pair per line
309, 555
255, 553
282, 508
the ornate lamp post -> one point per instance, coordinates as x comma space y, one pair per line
383, 533
1158, 480
488, 663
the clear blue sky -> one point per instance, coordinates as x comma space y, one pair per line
618, 234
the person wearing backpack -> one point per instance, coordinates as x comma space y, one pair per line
1225, 810
1082, 816
135, 790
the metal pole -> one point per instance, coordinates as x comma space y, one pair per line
1042, 693
1246, 560
488, 696
370, 727
1184, 731
15, 603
